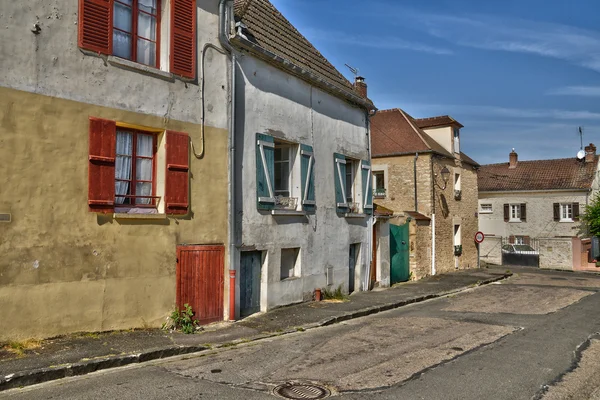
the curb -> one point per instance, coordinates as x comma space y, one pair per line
33, 377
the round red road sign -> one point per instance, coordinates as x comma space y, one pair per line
479, 236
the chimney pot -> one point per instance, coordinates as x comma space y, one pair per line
590, 153
513, 159
360, 86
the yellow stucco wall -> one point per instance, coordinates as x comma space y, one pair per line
64, 269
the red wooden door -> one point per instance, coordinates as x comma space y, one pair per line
200, 281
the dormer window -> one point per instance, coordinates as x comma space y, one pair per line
456, 140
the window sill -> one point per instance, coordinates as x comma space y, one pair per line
137, 67
566, 220
139, 216
486, 212
379, 197
512, 221
288, 279
288, 213
355, 215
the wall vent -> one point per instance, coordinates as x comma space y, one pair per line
5, 217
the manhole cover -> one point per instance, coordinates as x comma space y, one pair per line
301, 391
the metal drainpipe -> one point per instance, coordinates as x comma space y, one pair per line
224, 39
415, 171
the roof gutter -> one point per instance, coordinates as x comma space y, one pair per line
305, 74
533, 191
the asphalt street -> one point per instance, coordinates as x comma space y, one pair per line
531, 336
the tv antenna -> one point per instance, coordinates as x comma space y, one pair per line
580, 153
353, 70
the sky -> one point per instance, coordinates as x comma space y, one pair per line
521, 74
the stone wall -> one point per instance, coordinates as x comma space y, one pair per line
556, 253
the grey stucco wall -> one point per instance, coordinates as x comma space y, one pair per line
273, 102
50, 63
540, 217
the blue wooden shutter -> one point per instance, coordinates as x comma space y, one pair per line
265, 171
367, 185
339, 177
308, 177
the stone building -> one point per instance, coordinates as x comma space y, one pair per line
114, 132
304, 201
421, 174
537, 203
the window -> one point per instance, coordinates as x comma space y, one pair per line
349, 181
456, 140
122, 164
282, 157
130, 29
519, 240
515, 212
457, 191
284, 180
486, 208
289, 263
135, 30
566, 212
134, 169
379, 180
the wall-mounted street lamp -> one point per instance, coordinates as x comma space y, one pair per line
445, 172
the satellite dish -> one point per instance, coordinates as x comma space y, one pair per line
580, 155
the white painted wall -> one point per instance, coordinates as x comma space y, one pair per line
50, 63
540, 216
443, 136
273, 102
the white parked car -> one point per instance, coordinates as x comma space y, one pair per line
519, 249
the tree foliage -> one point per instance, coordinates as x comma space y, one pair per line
591, 219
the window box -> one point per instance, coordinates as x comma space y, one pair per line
458, 250
457, 194
285, 203
379, 193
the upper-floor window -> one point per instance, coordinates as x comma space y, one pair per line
566, 212
353, 185
135, 30
515, 212
379, 184
130, 29
456, 140
486, 208
282, 163
350, 175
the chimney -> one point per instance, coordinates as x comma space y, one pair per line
513, 159
590, 153
360, 86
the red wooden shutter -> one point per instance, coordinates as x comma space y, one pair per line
183, 38
95, 25
177, 179
101, 171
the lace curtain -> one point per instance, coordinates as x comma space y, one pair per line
123, 165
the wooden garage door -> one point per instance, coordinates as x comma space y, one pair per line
200, 281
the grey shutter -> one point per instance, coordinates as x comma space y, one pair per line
307, 177
556, 208
339, 178
367, 187
506, 212
523, 212
265, 171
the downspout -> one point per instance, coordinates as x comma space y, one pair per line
433, 270
224, 39
372, 220
415, 177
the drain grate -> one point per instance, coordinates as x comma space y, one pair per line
301, 391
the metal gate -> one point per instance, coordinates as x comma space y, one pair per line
200, 272
520, 250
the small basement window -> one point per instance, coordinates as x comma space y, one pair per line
486, 208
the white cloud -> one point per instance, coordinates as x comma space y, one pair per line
578, 46
377, 42
587, 91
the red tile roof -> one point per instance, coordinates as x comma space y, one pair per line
432, 122
395, 132
269, 29
564, 173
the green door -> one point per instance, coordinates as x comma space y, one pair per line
399, 270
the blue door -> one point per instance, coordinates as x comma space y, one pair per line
250, 268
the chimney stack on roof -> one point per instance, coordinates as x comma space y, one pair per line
590, 153
513, 159
360, 86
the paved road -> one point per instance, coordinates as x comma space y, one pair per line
533, 336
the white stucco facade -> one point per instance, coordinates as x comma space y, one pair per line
273, 102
